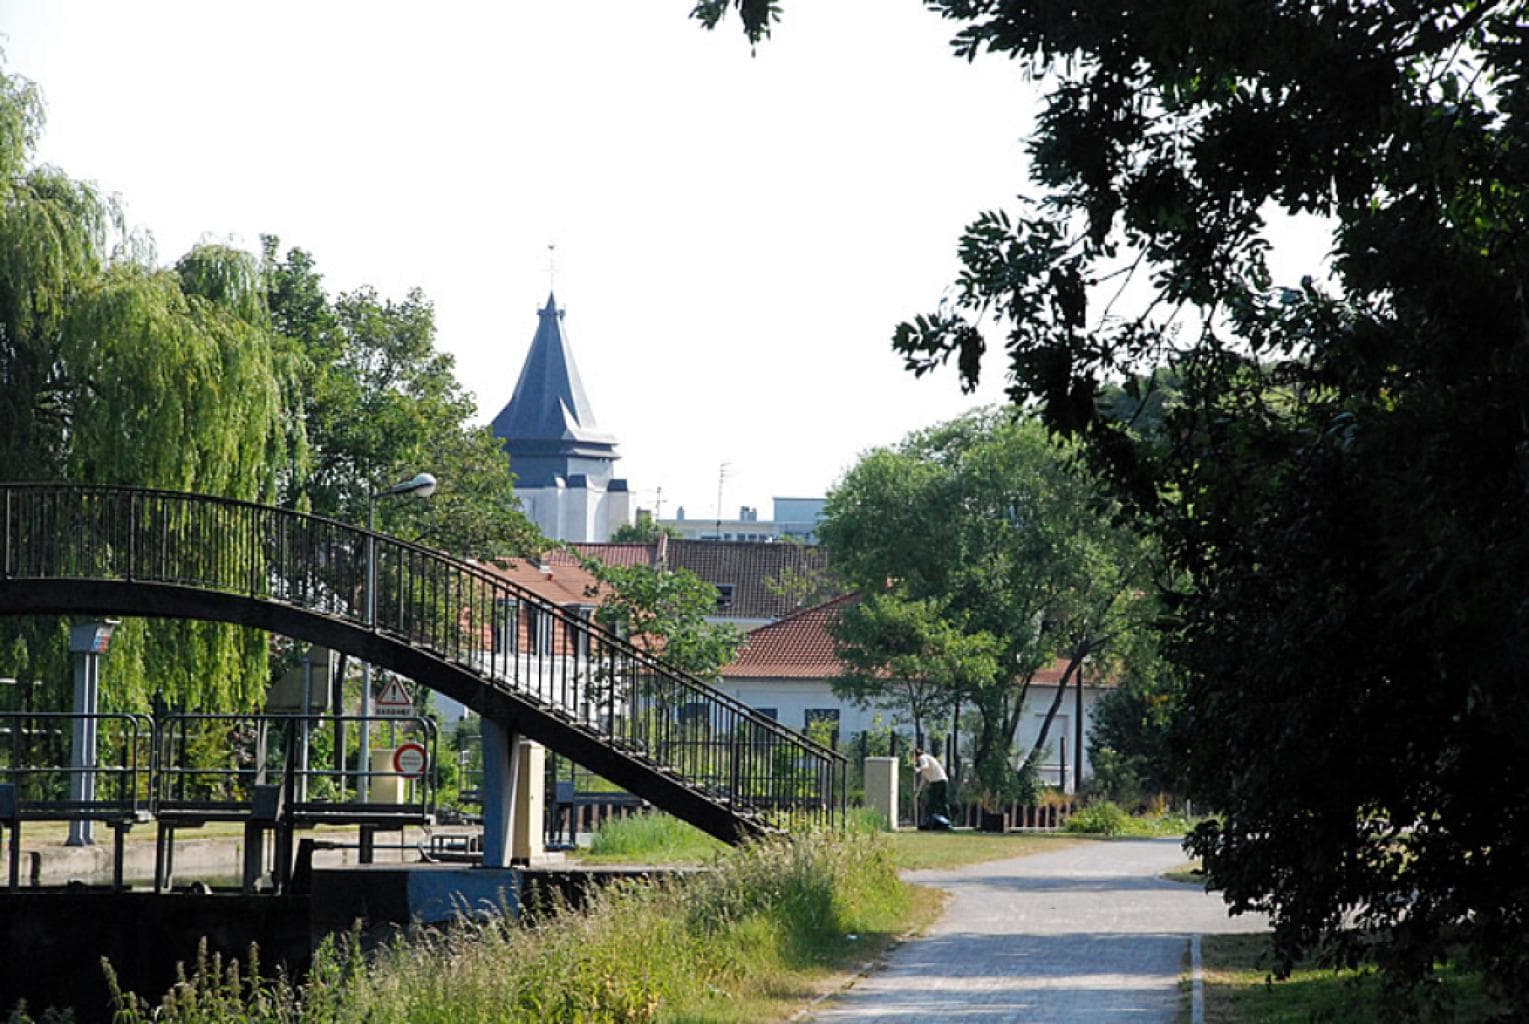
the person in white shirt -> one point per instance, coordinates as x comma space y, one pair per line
931, 779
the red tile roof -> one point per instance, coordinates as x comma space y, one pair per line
797, 647
563, 584
748, 566
610, 554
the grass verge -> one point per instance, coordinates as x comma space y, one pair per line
770, 927
653, 839
911, 850
661, 839
1239, 990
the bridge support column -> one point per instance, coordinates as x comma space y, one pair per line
501, 777
87, 642
513, 808
530, 825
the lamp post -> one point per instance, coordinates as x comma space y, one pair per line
421, 485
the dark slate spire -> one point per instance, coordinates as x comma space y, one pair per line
548, 426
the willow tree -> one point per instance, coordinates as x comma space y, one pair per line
115, 371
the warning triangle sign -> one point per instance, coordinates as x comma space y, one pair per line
393, 698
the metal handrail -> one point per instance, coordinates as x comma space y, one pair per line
124, 780
502, 633
227, 787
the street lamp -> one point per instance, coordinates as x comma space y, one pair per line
421, 485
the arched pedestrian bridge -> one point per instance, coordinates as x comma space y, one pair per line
531, 668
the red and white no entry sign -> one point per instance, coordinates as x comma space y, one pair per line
410, 759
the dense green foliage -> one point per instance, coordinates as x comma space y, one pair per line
115, 371
664, 610
1132, 746
1339, 482
224, 375
1106, 818
379, 403
722, 945
644, 531
986, 554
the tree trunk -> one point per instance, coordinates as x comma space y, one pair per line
1056, 704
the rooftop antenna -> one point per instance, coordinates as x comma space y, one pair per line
721, 478
551, 266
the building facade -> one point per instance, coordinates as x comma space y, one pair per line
786, 670
564, 464
795, 519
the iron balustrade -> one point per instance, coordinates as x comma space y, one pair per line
506, 636
207, 766
35, 759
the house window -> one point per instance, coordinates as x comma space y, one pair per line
506, 625
724, 597
773, 714
822, 724
538, 630
579, 631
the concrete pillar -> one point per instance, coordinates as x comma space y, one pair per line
87, 642
881, 787
530, 803
501, 771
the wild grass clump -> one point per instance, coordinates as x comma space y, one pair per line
865, 819
725, 943
653, 838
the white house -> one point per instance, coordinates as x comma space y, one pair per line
786, 669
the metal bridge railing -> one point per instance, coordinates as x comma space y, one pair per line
209, 766
35, 759
507, 636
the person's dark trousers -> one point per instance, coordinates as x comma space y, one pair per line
936, 800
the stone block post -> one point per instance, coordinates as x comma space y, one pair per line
881, 787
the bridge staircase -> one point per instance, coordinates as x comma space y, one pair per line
533, 668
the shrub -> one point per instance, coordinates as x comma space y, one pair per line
1103, 818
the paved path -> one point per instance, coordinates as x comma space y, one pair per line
1088, 933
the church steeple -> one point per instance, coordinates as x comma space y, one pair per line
548, 425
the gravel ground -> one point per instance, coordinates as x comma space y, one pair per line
1089, 933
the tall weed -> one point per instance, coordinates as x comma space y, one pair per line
698, 944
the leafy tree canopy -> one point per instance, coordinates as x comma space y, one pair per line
115, 371
907, 655
665, 611
986, 552
646, 530
381, 403
1343, 490
222, 374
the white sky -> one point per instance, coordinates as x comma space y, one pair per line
736, 237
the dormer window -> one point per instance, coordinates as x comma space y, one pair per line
724, 597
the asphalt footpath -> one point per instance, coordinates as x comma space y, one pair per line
1088, 933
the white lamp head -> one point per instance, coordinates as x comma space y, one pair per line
421, 486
